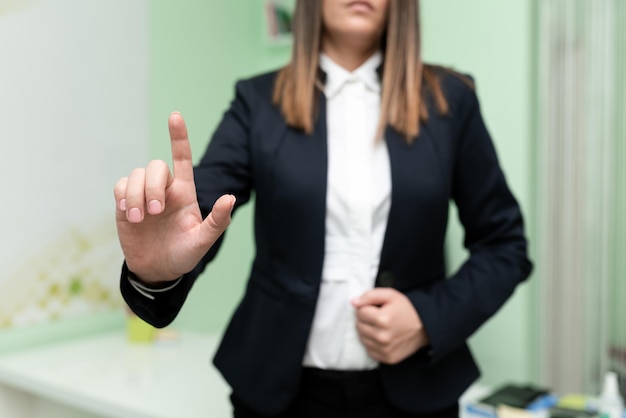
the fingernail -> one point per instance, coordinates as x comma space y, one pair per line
154, 207
134, 215
234, 200
122, 204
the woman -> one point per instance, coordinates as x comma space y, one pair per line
353, 150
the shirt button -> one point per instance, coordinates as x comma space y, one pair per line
386, 279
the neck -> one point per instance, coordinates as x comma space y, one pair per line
349, 55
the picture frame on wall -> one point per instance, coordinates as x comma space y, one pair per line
278, 18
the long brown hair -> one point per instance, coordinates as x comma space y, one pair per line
405, 78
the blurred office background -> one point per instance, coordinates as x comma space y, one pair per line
86, 88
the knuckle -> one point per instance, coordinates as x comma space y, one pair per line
158, 165
154, 190
138, 172
217, 224
384, 338
384, 321
120, 186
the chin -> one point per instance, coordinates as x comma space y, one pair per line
361, 33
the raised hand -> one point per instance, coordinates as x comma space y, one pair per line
159, 223
388, 325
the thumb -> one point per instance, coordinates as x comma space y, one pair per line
378, 296
219, 218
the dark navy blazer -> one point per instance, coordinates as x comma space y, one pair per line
453, 159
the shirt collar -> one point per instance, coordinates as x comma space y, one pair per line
337, 76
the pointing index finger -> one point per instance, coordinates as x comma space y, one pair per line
181, 150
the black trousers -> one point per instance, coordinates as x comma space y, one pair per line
340, 394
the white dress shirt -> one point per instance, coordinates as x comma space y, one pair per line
357, 206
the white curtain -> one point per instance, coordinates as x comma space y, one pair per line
581, 204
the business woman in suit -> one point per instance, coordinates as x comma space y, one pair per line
353, 151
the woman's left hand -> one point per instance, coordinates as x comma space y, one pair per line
388, 325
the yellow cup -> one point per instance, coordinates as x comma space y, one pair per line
139, 331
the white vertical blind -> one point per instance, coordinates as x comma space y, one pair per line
581, 190
618, 329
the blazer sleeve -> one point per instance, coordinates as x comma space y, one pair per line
224, 168
452, 310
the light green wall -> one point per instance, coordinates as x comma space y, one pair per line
201, 47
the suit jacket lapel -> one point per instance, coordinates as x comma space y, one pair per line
299, 201
418, 193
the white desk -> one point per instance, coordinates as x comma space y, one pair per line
105, 376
